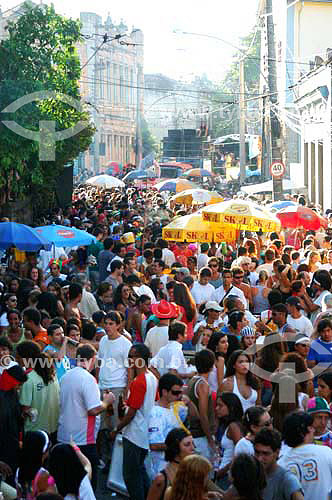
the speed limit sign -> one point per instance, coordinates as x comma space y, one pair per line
277, 169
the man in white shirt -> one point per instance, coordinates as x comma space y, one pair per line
88, 304
170, 358
203, 258
311, 463
157, 337
227, 289
79, 406
167, 255
142, 396
202, 291
112, 371
295, 318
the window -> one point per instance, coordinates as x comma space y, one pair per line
121, 85
126, 89
108, 81
115, 83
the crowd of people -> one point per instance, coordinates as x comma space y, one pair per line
204, 367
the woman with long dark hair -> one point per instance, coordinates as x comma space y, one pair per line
188, 312
32, 478
71, 471
230, 413
15, 332
268, 359
36, 275
41, 391
157, 287
240, 380
218, 344
48, 302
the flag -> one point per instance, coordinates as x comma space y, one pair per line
147, 161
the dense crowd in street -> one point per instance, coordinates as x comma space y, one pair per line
181, 371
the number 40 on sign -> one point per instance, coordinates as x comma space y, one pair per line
277, 169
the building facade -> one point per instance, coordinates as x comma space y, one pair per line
112, 84
314, 104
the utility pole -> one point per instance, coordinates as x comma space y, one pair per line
139, 146
243, 156
275, 125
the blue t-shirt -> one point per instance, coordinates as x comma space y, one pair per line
320, 352
61, 366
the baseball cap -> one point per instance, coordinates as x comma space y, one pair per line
302, 339
183, 270
248, 331
212, 304
294, 301
318, 405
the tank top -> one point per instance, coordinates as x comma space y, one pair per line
260, 303
227, 449
246, 403
195, 423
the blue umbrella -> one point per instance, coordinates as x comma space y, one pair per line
139, 174
63, 236
22, 237
279, 205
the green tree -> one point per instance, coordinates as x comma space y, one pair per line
149, 142
227, 123
39, 55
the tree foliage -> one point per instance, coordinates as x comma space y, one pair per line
149, 142
39, 54
227, 123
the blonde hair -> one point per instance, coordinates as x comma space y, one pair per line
190, 479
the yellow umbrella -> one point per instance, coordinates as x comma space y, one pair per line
192, 228
190, 196
241, 214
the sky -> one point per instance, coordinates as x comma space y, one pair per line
174, 54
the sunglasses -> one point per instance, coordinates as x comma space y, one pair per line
239, 277
176, 393
213, 265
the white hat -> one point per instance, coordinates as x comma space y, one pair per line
212, 304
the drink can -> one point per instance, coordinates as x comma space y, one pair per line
33, 413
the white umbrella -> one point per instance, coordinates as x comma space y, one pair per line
105, 181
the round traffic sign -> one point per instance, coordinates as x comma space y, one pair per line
277, 169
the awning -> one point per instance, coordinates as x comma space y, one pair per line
267, 187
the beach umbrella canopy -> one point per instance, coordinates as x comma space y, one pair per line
175, 186
299, 216
191, 196
241, 214
279, 205
105, 181
139, 174
22, 237
198, 172
63, 236
192, 228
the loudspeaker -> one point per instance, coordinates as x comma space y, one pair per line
64, 188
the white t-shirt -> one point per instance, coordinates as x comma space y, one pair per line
265, 267
202, 260
244, 446
202, 293
170, 357
301, 325
142, 396
3, 320
113, 356
79, 393
312, 465
319, 302
326, 267
219, 294
168, 257
156, 338
85, 491
161, 422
